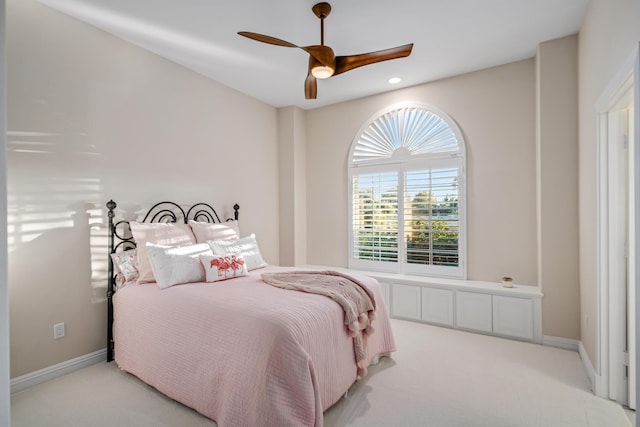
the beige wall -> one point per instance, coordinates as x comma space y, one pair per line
557, 185
4, 287
91, 117
293, 185
609, 34
494, 109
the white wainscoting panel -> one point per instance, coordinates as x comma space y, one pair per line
473, 311
437, 306
405, 301
513, 317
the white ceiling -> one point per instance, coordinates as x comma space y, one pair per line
450, 37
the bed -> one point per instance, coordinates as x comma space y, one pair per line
239, 351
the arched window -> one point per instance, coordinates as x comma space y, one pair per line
407, 194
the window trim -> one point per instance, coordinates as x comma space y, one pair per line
402, 166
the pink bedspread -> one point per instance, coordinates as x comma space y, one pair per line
240, 351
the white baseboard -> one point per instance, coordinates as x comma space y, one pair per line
596, 380
559, 342
33, 378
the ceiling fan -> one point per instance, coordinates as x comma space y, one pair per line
323, 63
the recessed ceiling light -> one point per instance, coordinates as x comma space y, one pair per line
395, 80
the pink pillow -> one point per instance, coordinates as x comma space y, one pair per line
167, 234
221, 267
204, 231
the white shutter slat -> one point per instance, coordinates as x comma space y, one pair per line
415, 129
431, 217
375, 217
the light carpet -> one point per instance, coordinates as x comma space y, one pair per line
438, 377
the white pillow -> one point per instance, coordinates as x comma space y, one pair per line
247, 246
173, 265
221, 267
214, 231
168, 234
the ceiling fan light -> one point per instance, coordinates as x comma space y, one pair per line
322, 72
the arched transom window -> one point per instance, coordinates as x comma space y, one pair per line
407, 191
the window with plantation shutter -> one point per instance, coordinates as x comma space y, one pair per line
407, 192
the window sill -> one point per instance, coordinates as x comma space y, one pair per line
478, 286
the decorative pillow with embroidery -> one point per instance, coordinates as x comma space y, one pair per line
222, 267
124, 265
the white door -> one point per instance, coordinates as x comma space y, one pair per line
621, 247
630, 249
618, 234
634, 168
618, 192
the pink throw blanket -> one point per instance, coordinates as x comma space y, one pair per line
356, 300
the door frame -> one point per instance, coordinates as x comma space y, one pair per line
608, 305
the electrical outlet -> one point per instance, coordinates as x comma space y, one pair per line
586, 321
58, 330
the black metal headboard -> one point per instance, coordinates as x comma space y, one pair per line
120, 238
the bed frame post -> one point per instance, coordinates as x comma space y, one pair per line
111, 205
236, 208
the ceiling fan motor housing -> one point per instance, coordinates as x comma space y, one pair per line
322, 10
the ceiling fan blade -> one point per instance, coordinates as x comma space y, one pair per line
310, 84
347, 63
324, 54
266, 39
